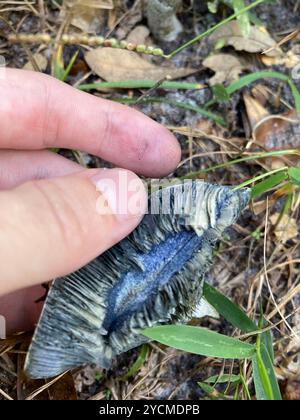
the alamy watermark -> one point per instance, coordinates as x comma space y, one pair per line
2, 67
126, 196
2, 327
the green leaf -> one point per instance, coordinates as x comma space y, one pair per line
220, 44
271, 372
294, 174
213, 393
267, 341
223, 379
268, 184
259, 388
58, 70
208, 389
213, 6
200, 341
296, 95
69, 67
265, 381
220, 93
243, 19
228, 310
253, 77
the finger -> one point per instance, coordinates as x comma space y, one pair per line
50, 113
17, 167
52, 227
20, 309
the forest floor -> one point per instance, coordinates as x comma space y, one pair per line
258, 264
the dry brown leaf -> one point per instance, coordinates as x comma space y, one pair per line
258, 41
294, 345
291, 391
287, 227
272, 132
87, 14
227, 67
40, 60
115, 65
133, 16
64, 389
255, 110
289, 60
260, 93
138, 35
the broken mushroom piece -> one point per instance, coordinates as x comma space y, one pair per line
153, 277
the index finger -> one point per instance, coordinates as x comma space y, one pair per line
39, 112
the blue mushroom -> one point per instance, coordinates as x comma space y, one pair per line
153, 277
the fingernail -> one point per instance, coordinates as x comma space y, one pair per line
121, 193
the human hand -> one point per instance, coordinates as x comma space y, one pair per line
49, 223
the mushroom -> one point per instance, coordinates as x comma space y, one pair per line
153, 277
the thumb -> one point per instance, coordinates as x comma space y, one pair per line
52, 227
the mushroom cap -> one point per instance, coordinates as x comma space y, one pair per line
153, 277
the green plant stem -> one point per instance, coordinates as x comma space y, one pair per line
209, 31
141, 84
244, 159
258, 178
245, 387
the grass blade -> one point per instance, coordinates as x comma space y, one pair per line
211, 30
253, 77
200, 341
296, 95
223, 379
142, 84
135, 367
228, 309
250, 78
265, 381
267, 341
271, 373
268, 184
263, 155
258, 384
69, 67
198, 110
